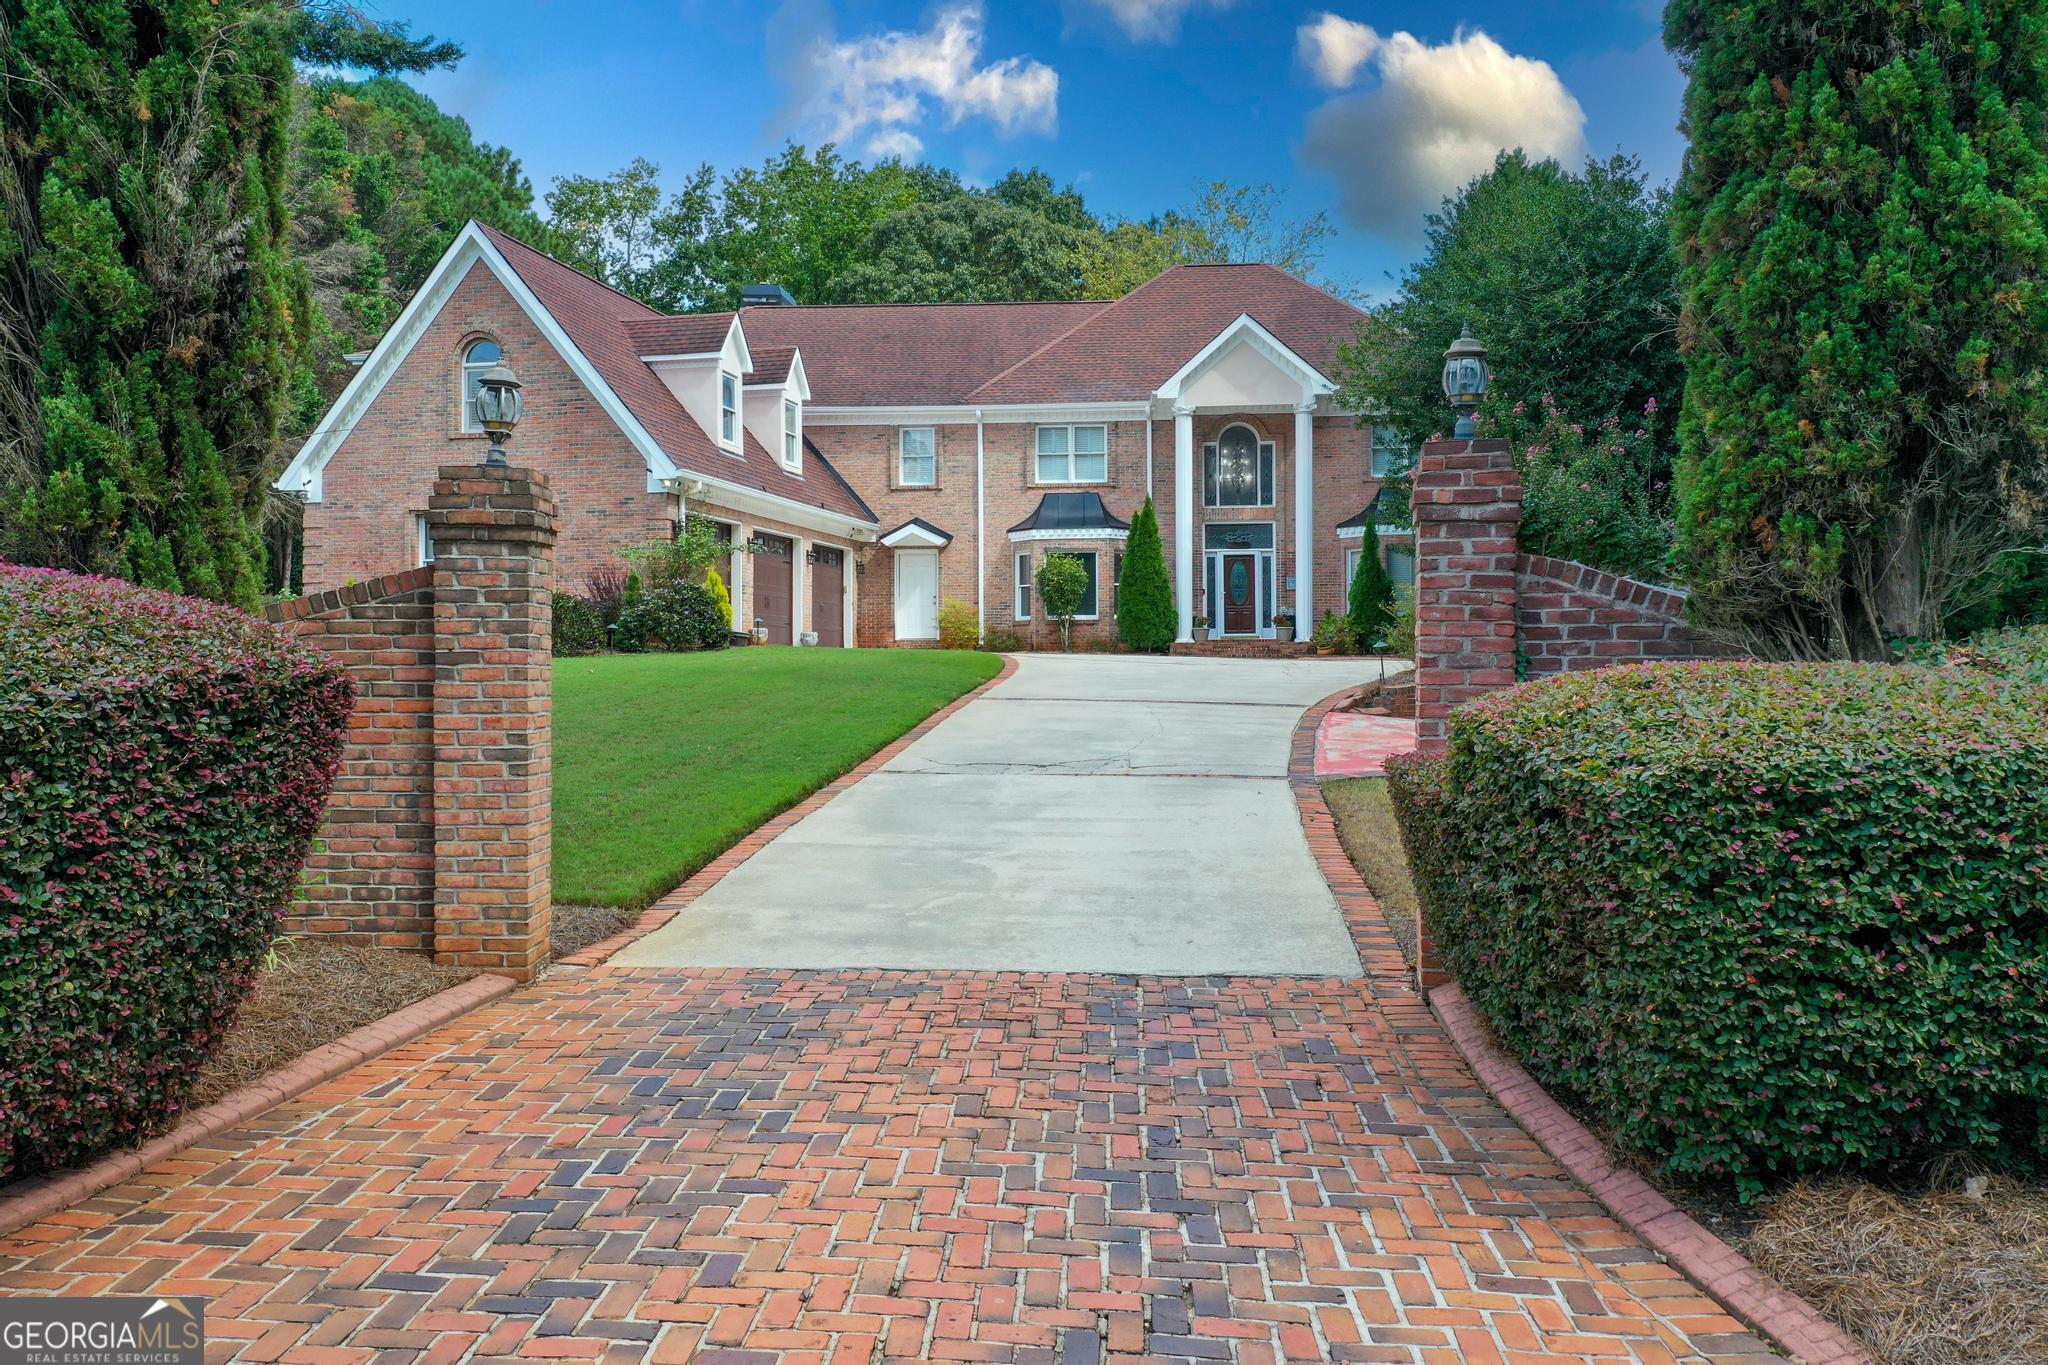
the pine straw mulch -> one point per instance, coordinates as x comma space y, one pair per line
1954, 1275
312, 994
579, 926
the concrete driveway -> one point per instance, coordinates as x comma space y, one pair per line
1094, 813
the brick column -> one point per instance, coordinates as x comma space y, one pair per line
1468, 509
494, 551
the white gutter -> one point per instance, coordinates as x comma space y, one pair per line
704, 488
980, 528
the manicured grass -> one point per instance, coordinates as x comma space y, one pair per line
1371, 835
663, 761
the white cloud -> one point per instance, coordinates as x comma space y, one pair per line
882, 88
1434, 118
1333, 48
1150, 20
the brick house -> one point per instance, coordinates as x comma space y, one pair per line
882, 459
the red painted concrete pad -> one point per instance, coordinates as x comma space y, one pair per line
1349, 744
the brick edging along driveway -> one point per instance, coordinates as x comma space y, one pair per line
1723, 1272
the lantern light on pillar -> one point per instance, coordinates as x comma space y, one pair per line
498, 407
1465, 380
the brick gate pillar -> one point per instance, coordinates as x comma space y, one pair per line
493, 532
1467, 506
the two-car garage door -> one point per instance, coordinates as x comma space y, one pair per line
775, 570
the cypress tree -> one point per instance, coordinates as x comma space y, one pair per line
1372, 592
1865, 324
1144, 594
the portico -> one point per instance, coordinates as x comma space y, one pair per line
1245, 372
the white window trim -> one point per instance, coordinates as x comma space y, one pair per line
470, 425
1038, 477
1022, 590
729, 410
792, 436
1095, 555
1372, 456
423, 540
933, 481
1264, 450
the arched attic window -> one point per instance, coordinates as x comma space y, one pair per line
480, 356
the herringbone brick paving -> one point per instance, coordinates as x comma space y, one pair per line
756, 1166
753, 1166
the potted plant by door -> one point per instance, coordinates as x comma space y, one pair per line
1333, 635
1283, 625
1201, 630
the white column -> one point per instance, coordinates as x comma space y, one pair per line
799, 588
1184, 476
1304, 519
980, 523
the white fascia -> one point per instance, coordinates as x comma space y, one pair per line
1247, 331
1358, 532
915, 537
303, 474
725, 495
953, 414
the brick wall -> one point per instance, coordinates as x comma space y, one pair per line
1480, 602
1574, 617
376, 487
437, 836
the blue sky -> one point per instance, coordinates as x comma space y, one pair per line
1364, 110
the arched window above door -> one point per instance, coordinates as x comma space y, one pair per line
1237, 469
480, 356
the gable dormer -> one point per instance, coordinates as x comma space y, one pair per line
776, 392
705, 361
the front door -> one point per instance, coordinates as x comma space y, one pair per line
917, 594
1240, 595
774, 600
828, 597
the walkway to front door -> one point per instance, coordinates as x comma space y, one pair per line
1093, 813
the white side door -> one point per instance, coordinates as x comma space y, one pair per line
917, 594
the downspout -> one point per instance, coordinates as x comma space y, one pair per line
980, 529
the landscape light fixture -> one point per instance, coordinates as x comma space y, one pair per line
498, 408
1465, 380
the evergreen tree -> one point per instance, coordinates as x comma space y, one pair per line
1865, 321
1144, 594
1372, 593
155, 317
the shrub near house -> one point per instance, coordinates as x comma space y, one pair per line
1759, 918
163, 767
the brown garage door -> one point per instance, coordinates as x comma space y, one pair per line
772, 598
828, 597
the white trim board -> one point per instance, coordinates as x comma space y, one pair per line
1248, 331
471, 246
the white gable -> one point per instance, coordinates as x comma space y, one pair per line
1246, 366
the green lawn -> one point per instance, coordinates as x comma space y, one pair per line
663, 761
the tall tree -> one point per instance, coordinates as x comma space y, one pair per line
606, 224
1124, 254
1247, 223
1372, 592
973, 248
1569, 279
1144, 594
1865, 324
156, 317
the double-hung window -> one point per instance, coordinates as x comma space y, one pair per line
729, 409
1024, 587
1073, 454
792, 436
917, 457
1237, 470
1390, 453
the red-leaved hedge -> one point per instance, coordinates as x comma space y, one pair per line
1759, 918
163, 766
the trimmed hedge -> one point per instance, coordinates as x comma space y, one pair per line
682, 616
1759, 918
163, 767
579, 625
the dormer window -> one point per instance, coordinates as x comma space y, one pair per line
480, 356
792, 435
729, 409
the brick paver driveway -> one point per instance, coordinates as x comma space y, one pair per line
753, 1165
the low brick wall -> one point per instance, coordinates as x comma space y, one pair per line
1574, 617
1485, 611
437, 835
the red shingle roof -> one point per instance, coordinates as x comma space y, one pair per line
909, 354
600, 321
1126, 351
688, 334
